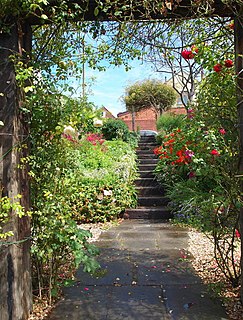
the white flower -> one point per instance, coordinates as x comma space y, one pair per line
107, 192
98, 122
70, 131
1, 124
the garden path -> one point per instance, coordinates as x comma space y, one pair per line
146, 275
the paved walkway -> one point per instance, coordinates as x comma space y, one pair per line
146, 276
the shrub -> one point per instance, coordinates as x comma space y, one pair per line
168, 122
198, 163
115, 129
73, 181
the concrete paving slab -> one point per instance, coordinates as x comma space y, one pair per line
134, 245
137, 302
113, 272
146, 274
192, 301
91, 304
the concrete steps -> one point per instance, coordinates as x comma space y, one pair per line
152, 201
152, 204
148, 213
146, 182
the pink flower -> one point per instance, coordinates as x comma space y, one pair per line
191, 175
228, 63
189, 153
218, 67
95, 138
187, 54
237, 234
190, 113
214, 152
222, 131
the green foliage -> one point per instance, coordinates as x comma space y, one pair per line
75, 181
117, 129
198, 162
114, 129
149, 93
8, 206
166, 123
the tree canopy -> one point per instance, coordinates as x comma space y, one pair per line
149, 93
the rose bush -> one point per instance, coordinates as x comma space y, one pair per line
198, 161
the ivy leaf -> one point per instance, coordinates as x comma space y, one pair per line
28, 89
44, 17
96, 11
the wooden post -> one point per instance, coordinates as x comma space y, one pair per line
239, 72
15, 267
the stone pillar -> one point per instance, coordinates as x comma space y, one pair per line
15, 267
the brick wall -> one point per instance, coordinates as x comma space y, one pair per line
144, 119
179, 110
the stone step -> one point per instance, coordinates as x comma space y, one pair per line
146, 167
152, 201
139, 152
148, 213
148, 161
147, 143
146, 146
146, 182
146, 174
150, 191
147, 139
146, 156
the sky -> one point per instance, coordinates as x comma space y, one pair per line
109, 86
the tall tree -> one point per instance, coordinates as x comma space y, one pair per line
173, 47
150, 93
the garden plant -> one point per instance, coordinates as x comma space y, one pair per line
198, 160
76, 177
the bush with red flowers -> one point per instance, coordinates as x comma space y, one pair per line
218, 67
228, 63
198, 162
187, 54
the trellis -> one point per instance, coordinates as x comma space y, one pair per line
15, 277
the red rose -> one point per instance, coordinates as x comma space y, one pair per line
187, 54
237, 233
228, 63
222, 131
214, 152
218, 67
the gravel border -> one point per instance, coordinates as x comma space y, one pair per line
203, 262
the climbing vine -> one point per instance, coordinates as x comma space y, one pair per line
6, 206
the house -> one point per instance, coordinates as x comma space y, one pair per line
182, 83
105, 113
